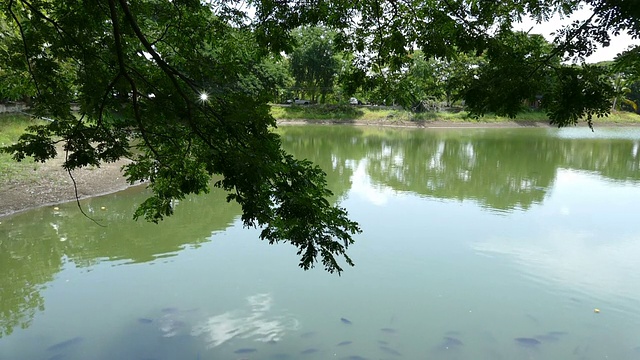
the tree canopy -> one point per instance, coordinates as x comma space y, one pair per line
313, 63
181, 87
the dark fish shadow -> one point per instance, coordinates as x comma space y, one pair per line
527, 342
449, 343
550, 337
245, 351
66, 344
346, 321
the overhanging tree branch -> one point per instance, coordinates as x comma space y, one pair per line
27, 55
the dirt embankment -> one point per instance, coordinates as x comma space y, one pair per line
51, 184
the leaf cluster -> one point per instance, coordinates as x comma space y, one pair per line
180, 88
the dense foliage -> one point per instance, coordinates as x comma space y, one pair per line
182, 91
313, 62
181, 86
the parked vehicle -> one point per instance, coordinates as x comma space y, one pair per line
297, 101
355, 101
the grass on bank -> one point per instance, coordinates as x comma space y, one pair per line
347, 114
11, 127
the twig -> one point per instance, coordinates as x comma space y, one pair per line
562, 46
120, 54
75, 189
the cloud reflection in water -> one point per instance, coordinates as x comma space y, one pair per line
578, 260
257, 323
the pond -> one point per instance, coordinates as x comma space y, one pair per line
477, 244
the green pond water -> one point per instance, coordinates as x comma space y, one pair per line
476, 244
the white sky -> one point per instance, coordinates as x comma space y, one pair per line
618, 43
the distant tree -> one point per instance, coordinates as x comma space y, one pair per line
313, 62
421, 80
390, 88
418, 82
504, 90
14, 84
457, 73
622, 88
634, 95
276, 77
626, 80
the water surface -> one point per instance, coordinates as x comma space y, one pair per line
477, 244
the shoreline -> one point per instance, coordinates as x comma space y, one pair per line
50, 185
436, 124
63, 201
444, 124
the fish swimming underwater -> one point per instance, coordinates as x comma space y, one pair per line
527, 342
65, 344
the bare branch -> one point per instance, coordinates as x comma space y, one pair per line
75, 189
123, 72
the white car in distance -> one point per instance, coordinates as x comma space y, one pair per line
297, 101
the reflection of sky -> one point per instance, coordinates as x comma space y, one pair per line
630, 133
256, 323
362, 186
435, 162
583, 238
574, 259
